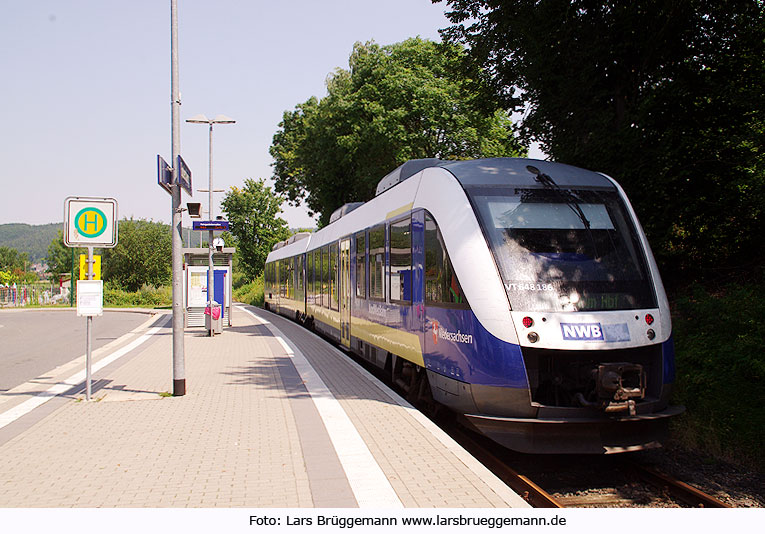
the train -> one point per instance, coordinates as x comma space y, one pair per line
520, 294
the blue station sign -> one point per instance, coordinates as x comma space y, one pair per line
210, 225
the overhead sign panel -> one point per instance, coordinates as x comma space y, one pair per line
210, 225
164, 174
90, 222
184, 176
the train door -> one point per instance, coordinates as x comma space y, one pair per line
418, 277
345, 292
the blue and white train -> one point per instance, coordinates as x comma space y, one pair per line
521, 294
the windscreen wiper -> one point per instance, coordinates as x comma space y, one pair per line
571, 200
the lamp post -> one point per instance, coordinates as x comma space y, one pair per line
201, 119
179, 358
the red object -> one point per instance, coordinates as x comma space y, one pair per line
528, 322
215, 312
648, 318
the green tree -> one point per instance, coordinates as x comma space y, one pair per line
13, 267
143, 255
253, 213
11, 259
664, 96
59, 258
404, 101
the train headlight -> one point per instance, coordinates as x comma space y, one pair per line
533, 337
648, 319
651, 334
528, 322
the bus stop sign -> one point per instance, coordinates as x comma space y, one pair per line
90, 222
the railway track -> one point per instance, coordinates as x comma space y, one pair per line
644, 487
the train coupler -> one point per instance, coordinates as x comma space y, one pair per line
618, 385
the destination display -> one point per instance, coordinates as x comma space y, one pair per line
210, 225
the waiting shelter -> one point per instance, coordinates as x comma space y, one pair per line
195, 268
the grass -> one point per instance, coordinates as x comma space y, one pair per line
251, 292
146, 297
719, 341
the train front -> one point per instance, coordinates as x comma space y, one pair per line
590, 314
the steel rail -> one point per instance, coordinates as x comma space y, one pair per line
528, 490
682, 491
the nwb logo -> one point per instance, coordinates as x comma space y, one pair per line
582, 331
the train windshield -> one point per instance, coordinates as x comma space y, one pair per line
565, 249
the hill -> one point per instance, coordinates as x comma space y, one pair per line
32, 239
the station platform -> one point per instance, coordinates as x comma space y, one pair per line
274, 417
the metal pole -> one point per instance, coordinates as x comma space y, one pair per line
179, 367
88, 329
71, 283
210, 248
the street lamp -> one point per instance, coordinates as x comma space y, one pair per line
220, 119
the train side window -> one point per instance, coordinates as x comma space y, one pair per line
285, 266
299, 290
316, 275
280, 270
325, 277
333, 293
309, 277
361, 265
441, 284
401, 261
290, 278
377, 262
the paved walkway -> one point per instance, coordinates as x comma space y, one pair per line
273, 417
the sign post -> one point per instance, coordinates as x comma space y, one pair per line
90, 222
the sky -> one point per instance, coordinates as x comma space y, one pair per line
85, 92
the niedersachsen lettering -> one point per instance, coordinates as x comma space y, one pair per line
456, 337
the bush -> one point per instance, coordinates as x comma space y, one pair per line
146, 297
239, 279
251, 293
719, 339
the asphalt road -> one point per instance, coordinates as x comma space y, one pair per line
33, 342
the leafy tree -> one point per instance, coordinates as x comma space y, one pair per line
664, 96
253, 213
399, 102
143, 255
13, 267
60, 256
11, 259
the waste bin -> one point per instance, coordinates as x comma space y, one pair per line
213, 319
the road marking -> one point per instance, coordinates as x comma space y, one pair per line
76, 379
370, 486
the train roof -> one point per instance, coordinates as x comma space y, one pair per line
512, 172
521, 172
